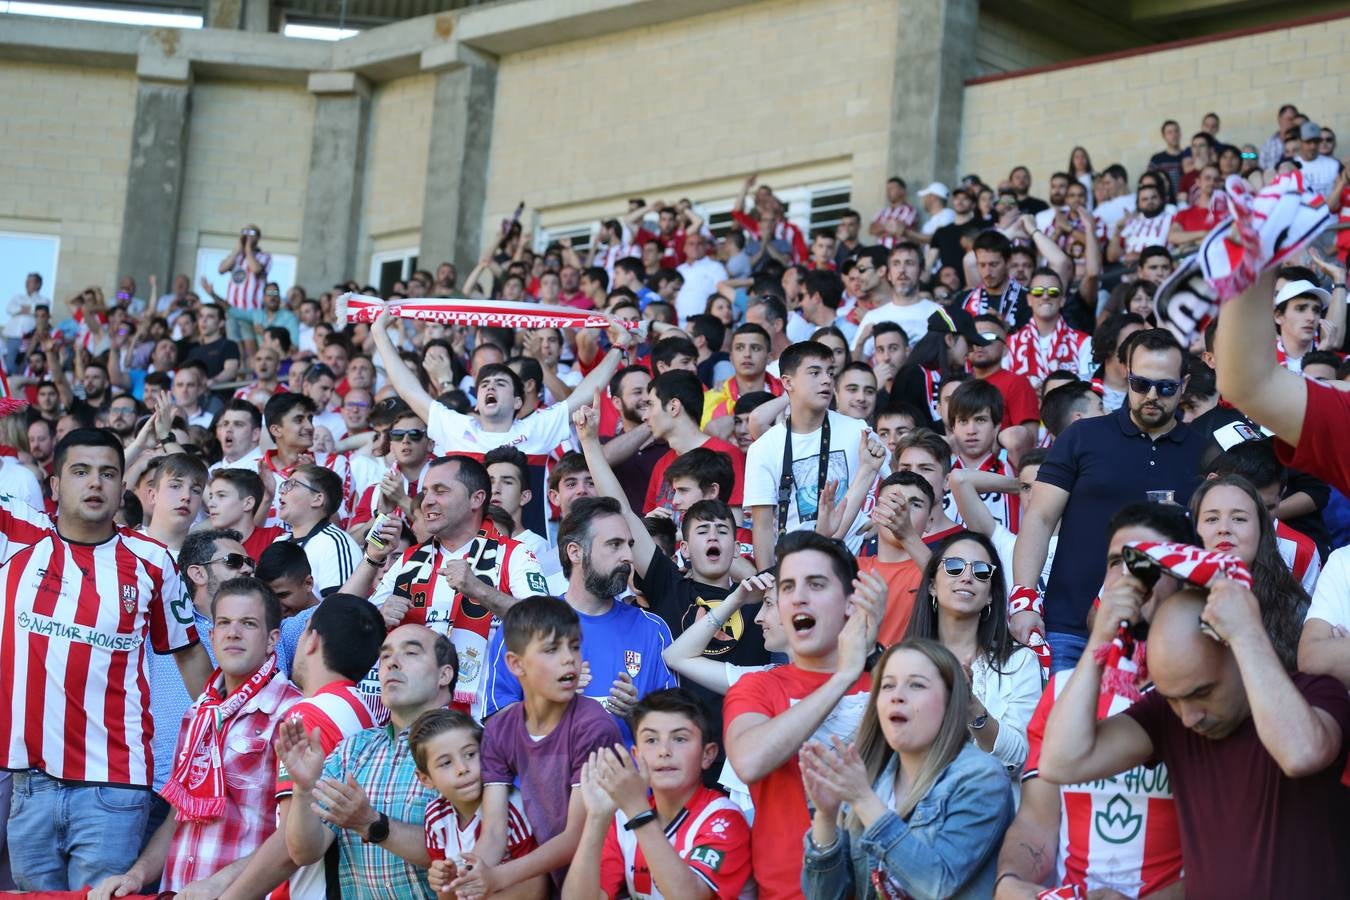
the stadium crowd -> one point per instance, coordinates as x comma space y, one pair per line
832, 579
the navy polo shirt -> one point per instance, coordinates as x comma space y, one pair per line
1104, 463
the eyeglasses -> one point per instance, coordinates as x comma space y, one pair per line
1167, 387
1249, 156
359, 404
411, 434
1044, 292
955, 566
289, 485
235, 561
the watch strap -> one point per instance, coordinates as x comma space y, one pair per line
639, 820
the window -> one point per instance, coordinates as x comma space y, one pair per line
208, 267
390, 266
814, 207
22, 254
582, 237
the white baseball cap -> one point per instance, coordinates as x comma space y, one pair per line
936, 189
1302, 288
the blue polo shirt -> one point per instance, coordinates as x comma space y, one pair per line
1105, 463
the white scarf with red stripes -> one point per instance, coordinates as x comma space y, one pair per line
462, 311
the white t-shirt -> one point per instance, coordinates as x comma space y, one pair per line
1004, 541
1320, 174
248, 461
764, 466
18, 481
536, 434
800, 328
912, 318
942, 217
1331, 600
700, 280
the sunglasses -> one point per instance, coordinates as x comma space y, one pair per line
412, 434
955, 566
1167, 387
1044, 292
235, 561
359, 404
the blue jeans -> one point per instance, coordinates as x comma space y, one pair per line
64, 836
1065, 649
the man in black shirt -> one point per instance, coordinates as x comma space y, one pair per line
218, 353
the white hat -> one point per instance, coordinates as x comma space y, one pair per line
936, 189
1302, 288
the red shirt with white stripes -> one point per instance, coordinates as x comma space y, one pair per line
337, 710
1120, 832
902, 213
1299, 553
74, 675
245, 290
446, 839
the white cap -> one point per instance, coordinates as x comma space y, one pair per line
936, 189
1302, 288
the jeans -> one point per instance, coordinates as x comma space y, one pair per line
1065, 649
64, 836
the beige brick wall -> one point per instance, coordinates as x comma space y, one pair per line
691, 107
1115, 108
66, 144
247, 161
396, 163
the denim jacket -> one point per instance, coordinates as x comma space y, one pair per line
947, 849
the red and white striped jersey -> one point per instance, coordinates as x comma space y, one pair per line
1005, 508
1141, 231
1120, 832
447, 840
1299, 553
74, 675
902, 213
337, 710
710, 834
609, 254
245, 290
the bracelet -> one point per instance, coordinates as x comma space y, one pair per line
639, 820
716, 622
372, 563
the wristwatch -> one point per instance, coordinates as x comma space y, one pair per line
378, 831
979, 721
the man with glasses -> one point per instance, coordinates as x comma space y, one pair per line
1094, 468
355, 412
307, 500
121, 417
1319, 168
1021, 405
1047, 343
255, 322
289, 419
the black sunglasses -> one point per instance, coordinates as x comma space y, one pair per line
412, 434
955, 566
1167, 387
234, 561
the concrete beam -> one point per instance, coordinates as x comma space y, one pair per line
935, 53
155, 179
238, 15
333, 188
392, 51
502, 28
57, 41
463, 107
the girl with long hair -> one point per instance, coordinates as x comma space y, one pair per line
912, 808
1080, 169
962, 602
1230, 517
832, 337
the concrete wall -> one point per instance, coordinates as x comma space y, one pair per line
248, 155
396, 165
669, 109
1115, 108
1005, 45
66, 147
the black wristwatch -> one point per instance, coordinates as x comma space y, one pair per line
979, 721
639, 820
378, 831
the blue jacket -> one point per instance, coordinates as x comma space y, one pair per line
947, 849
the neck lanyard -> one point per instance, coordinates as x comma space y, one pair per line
785, 481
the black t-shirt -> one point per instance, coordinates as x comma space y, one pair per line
947, 240
1032, 205
681, 602
214, 354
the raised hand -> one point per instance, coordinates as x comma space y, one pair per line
300, 752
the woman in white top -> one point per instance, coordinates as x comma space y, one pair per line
962, 602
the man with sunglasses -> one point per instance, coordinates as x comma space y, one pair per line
408, 454
1047, 343
1095, 467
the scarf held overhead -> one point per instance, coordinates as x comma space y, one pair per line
463, 311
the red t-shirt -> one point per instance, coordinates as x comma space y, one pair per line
1196, 218
1247, 829
781, 816
261, 539
1019, 398
658, 492
1325, 424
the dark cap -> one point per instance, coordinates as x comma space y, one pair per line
956, 321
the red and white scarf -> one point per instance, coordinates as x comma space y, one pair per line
462, 311
1029, 359
196, 788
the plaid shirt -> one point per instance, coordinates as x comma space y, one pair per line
199, 850
379, 759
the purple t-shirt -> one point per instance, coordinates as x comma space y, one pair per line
548, 768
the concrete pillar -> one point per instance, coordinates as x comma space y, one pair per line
457, 163
155, 174
935, 53
337, 160
238, 15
